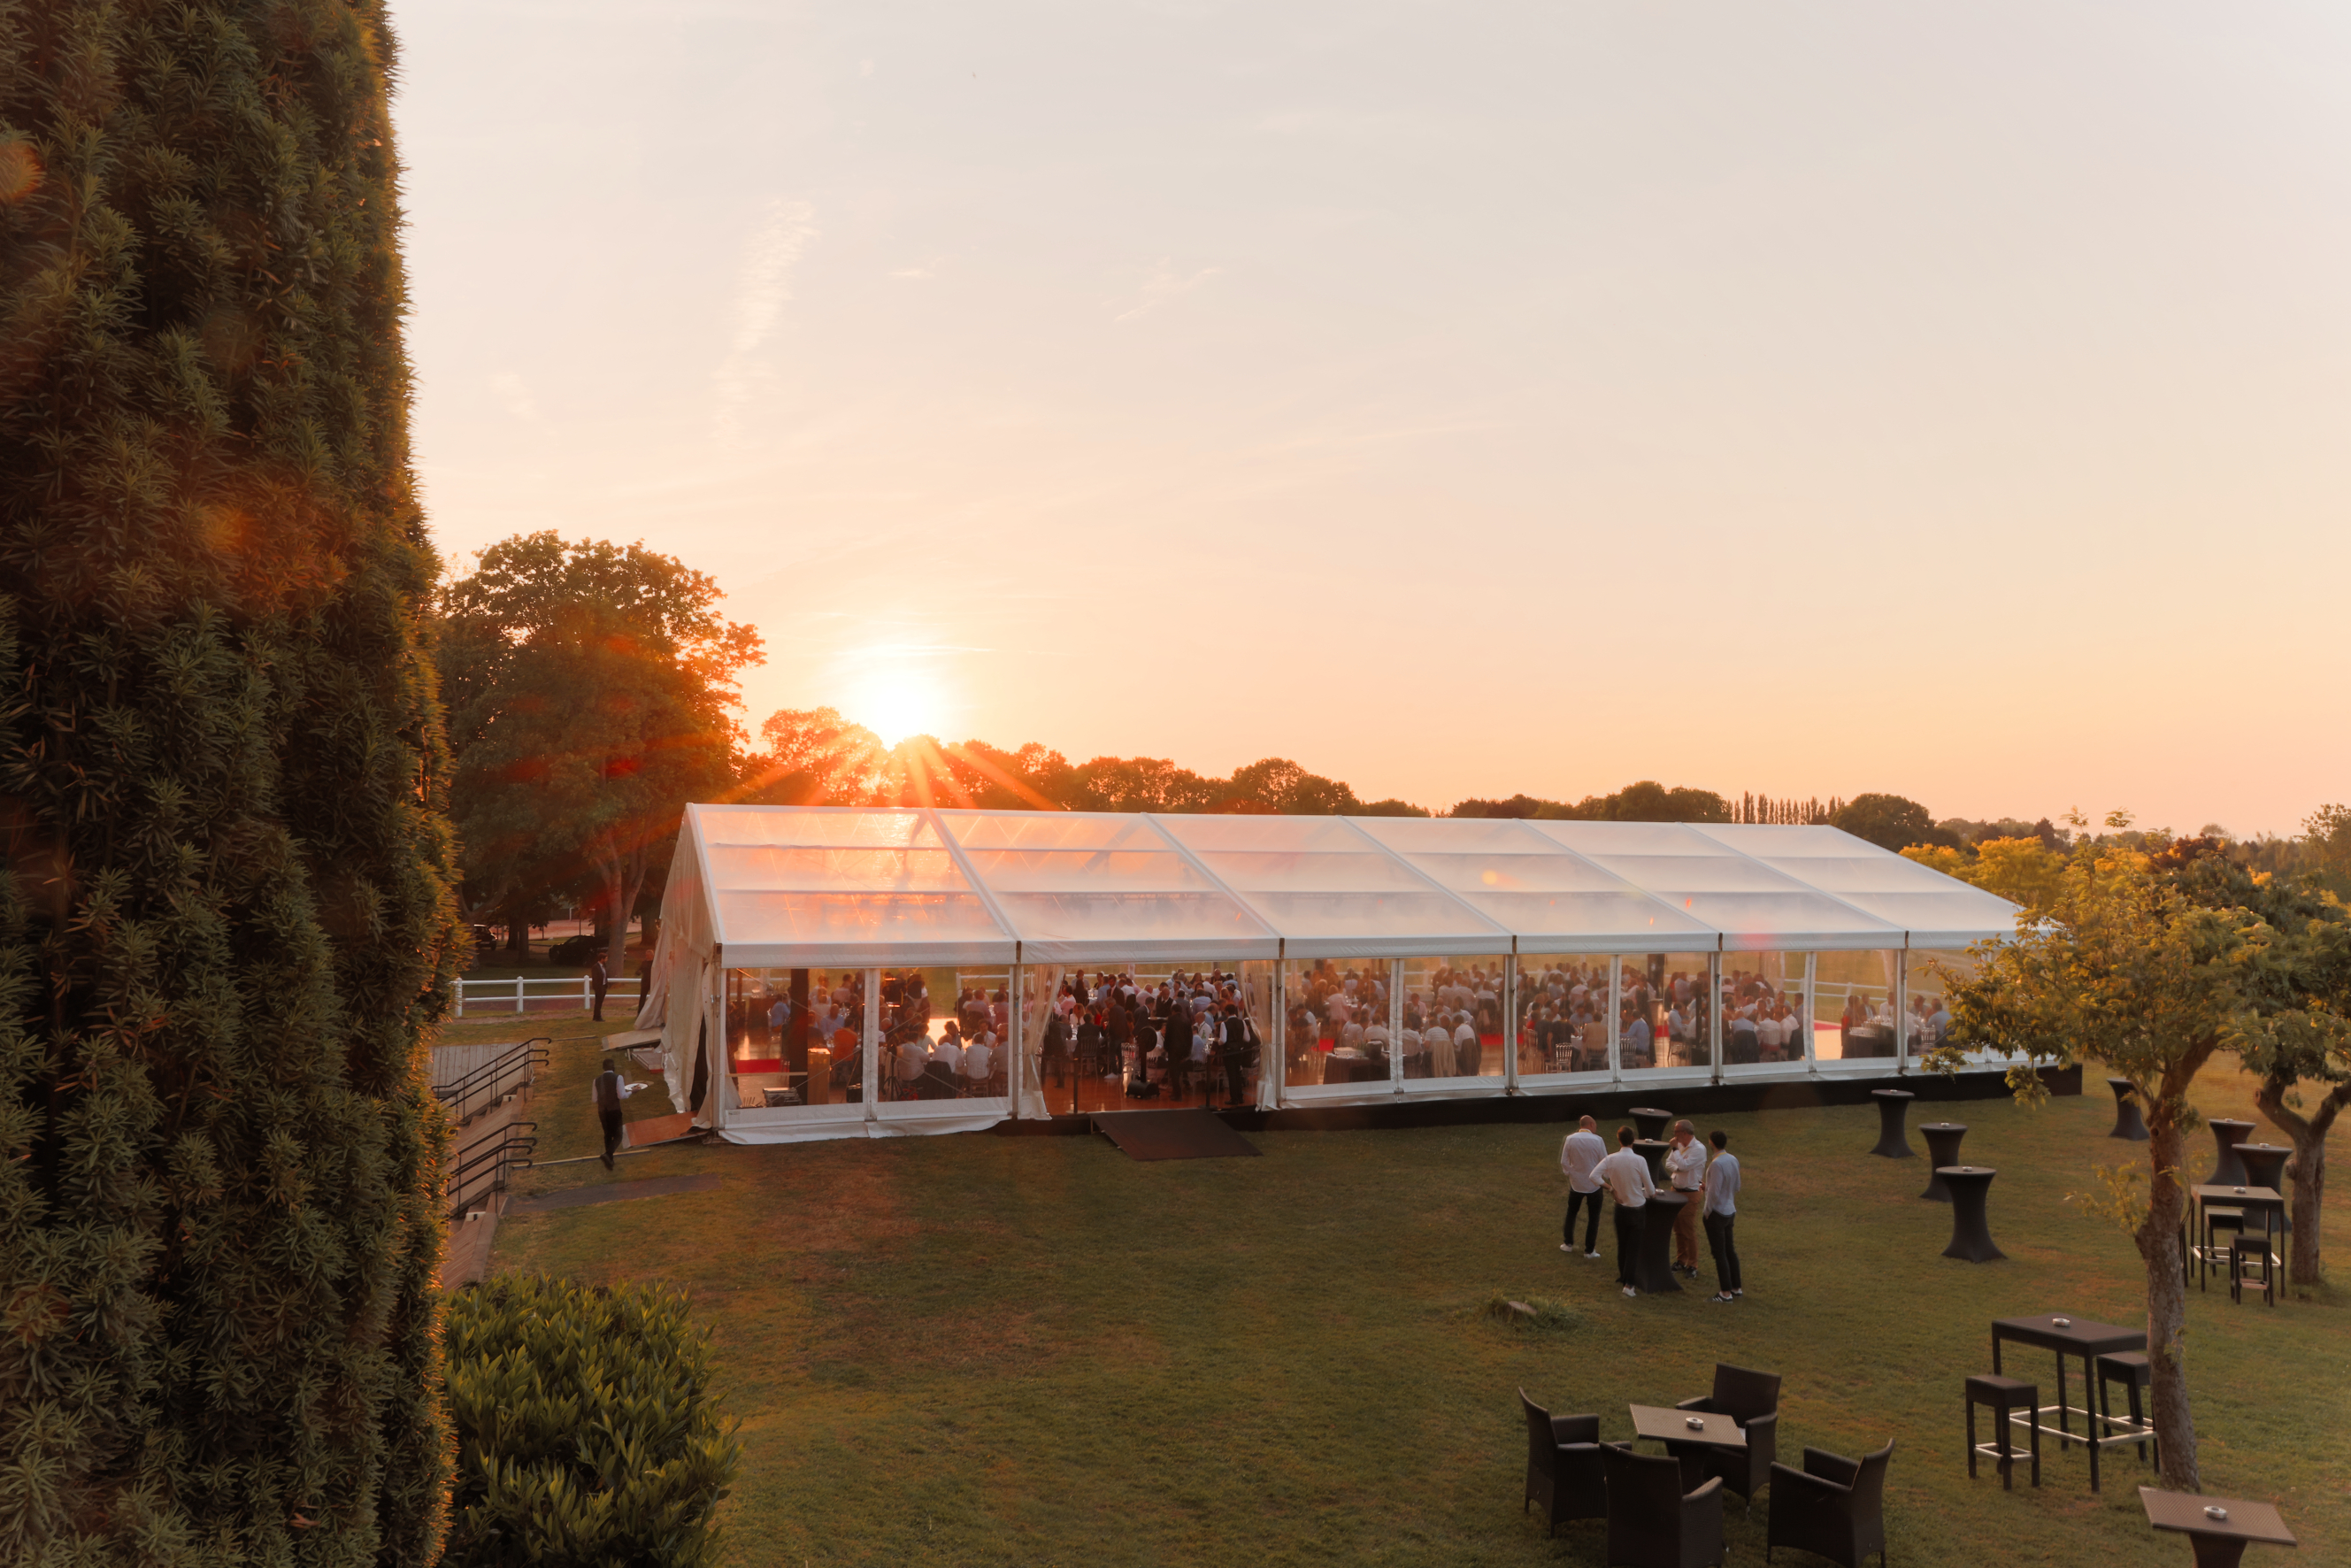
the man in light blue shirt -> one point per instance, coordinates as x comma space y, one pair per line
1721, 1212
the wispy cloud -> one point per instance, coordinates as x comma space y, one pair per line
1165, 283
761, 291
514, 395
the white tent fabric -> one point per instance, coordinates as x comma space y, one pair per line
818, 887
770, 886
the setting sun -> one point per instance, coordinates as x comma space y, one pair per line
897, 703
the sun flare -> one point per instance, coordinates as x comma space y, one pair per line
898, 704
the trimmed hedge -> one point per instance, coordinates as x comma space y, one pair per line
586, 1428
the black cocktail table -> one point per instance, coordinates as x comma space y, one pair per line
2128, 1124
1654, 1151
1893, 1104
1970, 1237
2068, 1335
2219, 1542
1942, 1149
2229, 1170
1653, 1265
1648, 1122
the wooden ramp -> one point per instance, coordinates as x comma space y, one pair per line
1171, 1134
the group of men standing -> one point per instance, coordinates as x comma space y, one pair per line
1708, 1188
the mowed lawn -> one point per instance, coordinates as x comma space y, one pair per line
1034, 1351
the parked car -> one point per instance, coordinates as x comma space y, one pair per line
574, 950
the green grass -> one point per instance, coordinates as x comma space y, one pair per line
990, 1349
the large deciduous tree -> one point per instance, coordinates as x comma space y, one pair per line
225, 919
2125, 967
592, 689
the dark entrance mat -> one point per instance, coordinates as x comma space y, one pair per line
1172, 1134
614, 1192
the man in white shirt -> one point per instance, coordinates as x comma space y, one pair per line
1722, 1211
913, 1060
979, 1061
948, 1051
1582, 1150
1626, 1175
1685, 1164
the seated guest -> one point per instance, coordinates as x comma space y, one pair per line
948, 1051
1636, 1052
1771, 1034
1436, 1043
979, 1062
1468, 1050
1745, 1043
913, 1060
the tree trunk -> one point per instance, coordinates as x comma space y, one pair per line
2166, 1293
2308, 1167
626, 883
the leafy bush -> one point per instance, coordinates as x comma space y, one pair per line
586, 1429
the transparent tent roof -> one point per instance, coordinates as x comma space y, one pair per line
820, 885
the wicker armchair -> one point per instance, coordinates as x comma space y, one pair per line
1751, 1400
1652, 1522
1564, 1465
1833, 1506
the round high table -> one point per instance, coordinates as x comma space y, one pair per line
2129, 1124
1654, 1150
1648, 1122
1653, 1267
1893, 1104
1970, 1237
2229, 1170
1942, 1149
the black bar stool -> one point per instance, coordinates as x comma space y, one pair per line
2003, 1395
1942, 1149
2215, 1221
2129, 1368
2128, 1124
1893, 1104
2251, 1263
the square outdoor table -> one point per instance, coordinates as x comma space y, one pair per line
2219, 1542
1715, 1431
2077, 1336
2265, 1201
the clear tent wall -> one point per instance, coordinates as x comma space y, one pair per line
827, 972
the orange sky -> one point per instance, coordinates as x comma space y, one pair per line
1459, 400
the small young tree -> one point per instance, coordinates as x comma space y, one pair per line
2297, 1030
2127, 969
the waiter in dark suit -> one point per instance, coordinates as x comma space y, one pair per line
599, 980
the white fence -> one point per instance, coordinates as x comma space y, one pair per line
543, 994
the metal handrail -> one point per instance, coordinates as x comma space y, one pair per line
509, 1148
530, 1053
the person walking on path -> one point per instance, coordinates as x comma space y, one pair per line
1686, 1173
1582, 1150
599, 980
1627, 1177
1721, 1212
607, 1093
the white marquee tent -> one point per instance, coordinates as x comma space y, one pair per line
1027, 896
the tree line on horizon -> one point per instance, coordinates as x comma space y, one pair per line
591, 691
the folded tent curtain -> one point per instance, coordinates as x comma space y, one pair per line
1041, 992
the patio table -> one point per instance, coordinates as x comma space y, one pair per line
2219, 1542
2067, 1335
2265, 1201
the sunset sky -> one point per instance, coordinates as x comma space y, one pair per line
1458, 400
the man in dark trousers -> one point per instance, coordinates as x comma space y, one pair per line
1626, 1175
599, 980
607, 1093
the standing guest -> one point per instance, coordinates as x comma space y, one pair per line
1686, 1174
607, 1094
1237, 1054
599, 980
1626, 1175
1584, 1149
1721, 1212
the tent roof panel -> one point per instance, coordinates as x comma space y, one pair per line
903, 886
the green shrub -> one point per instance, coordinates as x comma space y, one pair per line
586, 1429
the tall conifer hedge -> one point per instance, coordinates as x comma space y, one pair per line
226, 916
